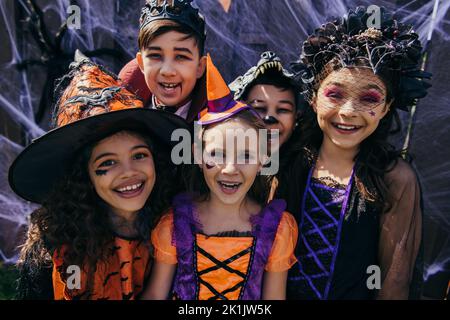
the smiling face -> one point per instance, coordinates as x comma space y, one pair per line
350, 103
230, 172
171, 64
277, 106
122, 171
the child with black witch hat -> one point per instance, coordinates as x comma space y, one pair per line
100, 178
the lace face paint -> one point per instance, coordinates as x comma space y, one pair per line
338, 94
372, 97
333, 92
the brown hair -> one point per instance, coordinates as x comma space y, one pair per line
272, 78
159, 27
196, 183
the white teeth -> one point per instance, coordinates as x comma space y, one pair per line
229, 185
169, 85
129, 188
267, 66
344, 127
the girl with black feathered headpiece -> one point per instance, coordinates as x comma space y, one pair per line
356, 201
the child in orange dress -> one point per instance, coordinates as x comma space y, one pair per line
223, 242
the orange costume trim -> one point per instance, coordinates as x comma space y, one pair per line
120, 277
222, 263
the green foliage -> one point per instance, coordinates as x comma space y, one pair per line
8, 277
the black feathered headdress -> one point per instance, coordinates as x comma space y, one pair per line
394, 51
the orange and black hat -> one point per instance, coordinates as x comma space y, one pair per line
91, 105
221, 104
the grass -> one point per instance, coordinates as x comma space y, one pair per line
8, 276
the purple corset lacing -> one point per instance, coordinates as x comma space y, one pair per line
186, 225
320, 233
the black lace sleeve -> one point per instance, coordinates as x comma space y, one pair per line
400, 233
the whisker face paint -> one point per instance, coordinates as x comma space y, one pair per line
101, 172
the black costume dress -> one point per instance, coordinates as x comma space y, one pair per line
343, 238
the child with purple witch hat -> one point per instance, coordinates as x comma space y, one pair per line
223, 241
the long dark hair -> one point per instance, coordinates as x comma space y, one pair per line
375, 158
195, 181
73, 215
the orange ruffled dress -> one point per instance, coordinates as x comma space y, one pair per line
227, 266
120, 277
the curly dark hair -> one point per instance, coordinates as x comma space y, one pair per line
73, 215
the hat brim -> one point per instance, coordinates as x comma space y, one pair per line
213, 117
42, 163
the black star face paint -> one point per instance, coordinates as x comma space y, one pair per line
100, 172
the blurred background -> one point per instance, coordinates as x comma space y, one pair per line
38, 48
